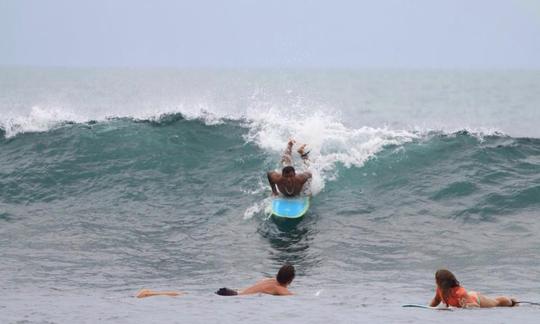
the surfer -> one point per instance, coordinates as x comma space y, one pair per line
288, 182
449, 291
270, 286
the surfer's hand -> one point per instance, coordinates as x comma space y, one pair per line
275, 194
291, 142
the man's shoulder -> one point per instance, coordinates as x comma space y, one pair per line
304, 175
281, 291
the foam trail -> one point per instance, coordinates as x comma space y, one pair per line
258, 207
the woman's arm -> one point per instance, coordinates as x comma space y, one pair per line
435, 301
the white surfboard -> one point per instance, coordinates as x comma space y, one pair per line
426, 307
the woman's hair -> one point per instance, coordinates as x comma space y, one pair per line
445, 281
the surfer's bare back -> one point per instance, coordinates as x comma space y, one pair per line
288, 182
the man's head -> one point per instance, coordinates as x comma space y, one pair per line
288, 171
285, 275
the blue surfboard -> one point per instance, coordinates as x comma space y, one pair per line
290, 207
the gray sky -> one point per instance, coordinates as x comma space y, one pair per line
272, 33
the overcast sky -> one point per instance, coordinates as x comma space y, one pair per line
272, 33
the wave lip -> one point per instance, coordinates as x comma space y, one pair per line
45, 119
39, 120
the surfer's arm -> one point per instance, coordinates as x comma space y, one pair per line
306, 176
304, 155
435, 301
149, 293
270, 176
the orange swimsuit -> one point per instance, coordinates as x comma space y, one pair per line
458, 294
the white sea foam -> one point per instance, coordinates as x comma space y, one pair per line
257, 208
38, 120
329, 141
42, 119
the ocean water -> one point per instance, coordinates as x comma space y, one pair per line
112, 180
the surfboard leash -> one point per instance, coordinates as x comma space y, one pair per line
528, 303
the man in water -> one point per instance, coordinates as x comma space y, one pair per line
288, 182
270, 286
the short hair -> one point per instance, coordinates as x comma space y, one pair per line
226, 292
287, 170
285, 274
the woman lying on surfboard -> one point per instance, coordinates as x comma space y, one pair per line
288, 182
449, 291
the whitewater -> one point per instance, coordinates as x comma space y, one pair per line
112, 180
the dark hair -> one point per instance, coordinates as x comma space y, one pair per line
287, 170
285, 275
445, 281
226, 292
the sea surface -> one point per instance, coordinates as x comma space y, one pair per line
113, 180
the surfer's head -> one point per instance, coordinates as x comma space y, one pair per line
288, 171
285, 275
445, 281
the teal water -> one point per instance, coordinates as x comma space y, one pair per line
111, 181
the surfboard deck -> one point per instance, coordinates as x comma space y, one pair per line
426, 307
290, 208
